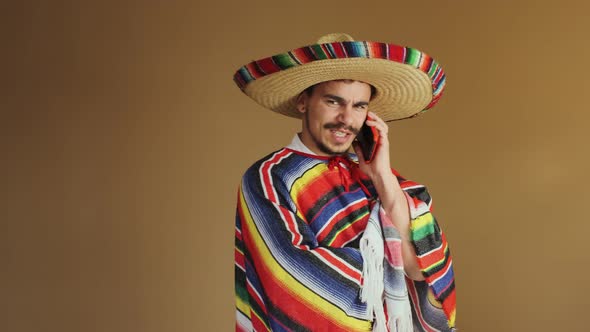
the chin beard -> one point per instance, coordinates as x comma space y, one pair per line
327, 150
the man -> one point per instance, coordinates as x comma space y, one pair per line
326, 241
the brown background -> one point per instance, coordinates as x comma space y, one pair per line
124, 139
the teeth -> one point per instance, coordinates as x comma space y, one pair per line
340, 134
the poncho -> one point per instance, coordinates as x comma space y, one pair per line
298, 266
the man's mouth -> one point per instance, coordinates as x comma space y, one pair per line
340, 133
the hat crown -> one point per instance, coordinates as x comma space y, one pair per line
334, 38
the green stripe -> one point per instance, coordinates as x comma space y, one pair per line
319, 52
242, 293
422, 232
334, 233
433, 69
284, 61
412, 57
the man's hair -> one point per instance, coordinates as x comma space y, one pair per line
309, 90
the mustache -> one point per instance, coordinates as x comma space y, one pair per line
341, 126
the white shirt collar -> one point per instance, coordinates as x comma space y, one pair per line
297, 145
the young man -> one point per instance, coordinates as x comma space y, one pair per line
326, 241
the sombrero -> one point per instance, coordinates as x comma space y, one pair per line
407, 81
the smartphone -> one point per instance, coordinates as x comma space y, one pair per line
368, 139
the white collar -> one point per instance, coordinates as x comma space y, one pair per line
297, 145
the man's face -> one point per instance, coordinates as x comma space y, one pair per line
333, 114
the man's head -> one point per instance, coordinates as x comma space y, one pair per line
333, 113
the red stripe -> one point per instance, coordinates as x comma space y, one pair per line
410, 183
372, 51
350, 232
315, 189
434, 256
286, 215
337, 263
450, 303
257, 324
253, 70
268, 66
338, 50
442, 271
338, 217
425, 63
376, 50
266, 177
396, 53
302, 55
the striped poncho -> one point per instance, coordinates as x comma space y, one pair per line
297, 261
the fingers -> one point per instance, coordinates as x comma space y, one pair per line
378, 123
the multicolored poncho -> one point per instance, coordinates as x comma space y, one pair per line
297, 261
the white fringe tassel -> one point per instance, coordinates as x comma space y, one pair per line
399, 311
371, 247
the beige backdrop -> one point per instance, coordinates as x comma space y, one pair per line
124, 138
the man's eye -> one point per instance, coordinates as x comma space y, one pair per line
332, 102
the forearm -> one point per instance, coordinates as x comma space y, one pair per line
393, 201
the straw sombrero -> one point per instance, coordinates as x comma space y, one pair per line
407, 81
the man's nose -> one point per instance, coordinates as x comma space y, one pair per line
345, 115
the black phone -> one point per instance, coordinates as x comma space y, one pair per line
368, 139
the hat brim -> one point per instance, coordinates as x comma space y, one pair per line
405, 85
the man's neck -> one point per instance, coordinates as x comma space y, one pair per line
298, 145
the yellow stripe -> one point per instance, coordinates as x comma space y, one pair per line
304, 181
440, 261
452, 319
350, 225
309, 298
421, 221
243, 306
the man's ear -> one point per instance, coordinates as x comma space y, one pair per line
301, 102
